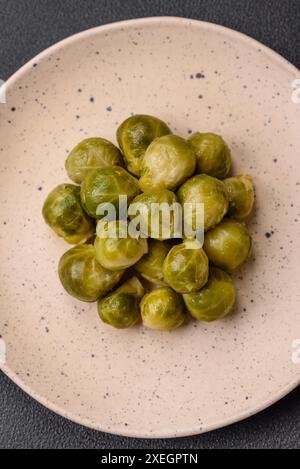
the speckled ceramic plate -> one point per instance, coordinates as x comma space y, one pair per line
195, 76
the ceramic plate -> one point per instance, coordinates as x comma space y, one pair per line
195, 76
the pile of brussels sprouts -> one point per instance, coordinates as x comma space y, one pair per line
156, 279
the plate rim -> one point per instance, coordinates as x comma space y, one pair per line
166, 433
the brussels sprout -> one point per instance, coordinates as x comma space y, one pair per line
228, 244
135, 135
213, 154
115, 249
240, 192
62, 211
155, 222
91, 153
102, 186
185, 268
215, 300
162, 309
83, 277
206, 190
150, 266
120, 308
167, 163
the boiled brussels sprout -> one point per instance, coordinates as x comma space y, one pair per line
228, 244
135, 135
162, 309
91, 153
240, 192
206, 190
120, 308
167, 163
176, 244
156, 223
83, 277
150, 266
213, 154
102, 186
62, 211
215, 300
115, 250
185, 268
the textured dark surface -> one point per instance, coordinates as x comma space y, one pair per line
26, 28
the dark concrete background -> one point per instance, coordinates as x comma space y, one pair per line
26, 28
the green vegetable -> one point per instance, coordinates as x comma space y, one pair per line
103, 186
203, 223
185, 268
168, 162
228, 244
162, 309
115, 252
120, 308
150, 266
206, 190
135, 135
240, 192
91, 153
156, 223
215, 300
62, 211
213, 154
83, 277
